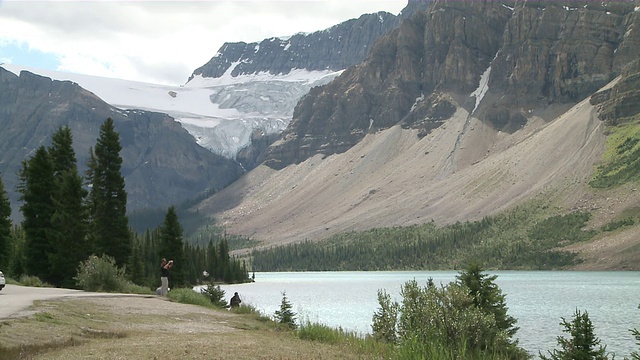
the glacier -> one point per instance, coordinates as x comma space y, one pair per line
220, 113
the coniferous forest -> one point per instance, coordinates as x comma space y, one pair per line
68, 217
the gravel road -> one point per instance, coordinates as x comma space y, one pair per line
15, 300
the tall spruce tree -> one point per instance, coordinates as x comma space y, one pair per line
69, 222
5, 228
487, 296
171, 246
36, 188
110, 225
69, 233
61, 151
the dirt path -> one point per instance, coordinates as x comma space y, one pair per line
70, 326
16, 300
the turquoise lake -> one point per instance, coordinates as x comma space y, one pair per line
538, 299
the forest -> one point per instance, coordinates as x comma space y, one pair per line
69, 218
526, 238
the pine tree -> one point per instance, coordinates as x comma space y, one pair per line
136, 268
285, 315
69, 230
36, 188
171, 246
69, 221
487, 296
63, 157
5, 228
90, 201
583, 344
108, 198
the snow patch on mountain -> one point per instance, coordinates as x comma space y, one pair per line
220, 113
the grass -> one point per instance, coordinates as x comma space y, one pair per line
365, 345
153, 327
621, 160
188, 296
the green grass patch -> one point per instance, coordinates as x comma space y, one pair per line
188, 296
621, 160
313, 331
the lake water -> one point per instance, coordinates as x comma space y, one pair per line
538, 299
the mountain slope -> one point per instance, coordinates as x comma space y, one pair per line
393, 178
442, 124
162, 164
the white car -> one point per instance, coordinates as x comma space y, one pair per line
2, 282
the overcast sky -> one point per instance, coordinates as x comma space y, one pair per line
156, 41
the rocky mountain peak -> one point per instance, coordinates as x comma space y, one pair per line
336, 48
502, 61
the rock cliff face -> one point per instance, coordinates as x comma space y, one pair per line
623, 99
162, 164
335, 48
262, 82
502, 61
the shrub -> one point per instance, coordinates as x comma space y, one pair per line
33, 281
385, 319
215, 295
189, 296
101, 274
464, 319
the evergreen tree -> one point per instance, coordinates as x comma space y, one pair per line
136, 268
36, 189
285, 315
69, 222
108, 197
69, 230
171, 246
487, 296
636, 334
61, 151
583, 344
90, 201
17, 262
5, 228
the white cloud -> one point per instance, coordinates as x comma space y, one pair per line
162, 41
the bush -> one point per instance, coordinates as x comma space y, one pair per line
189, 296
101, 274
215, 295
33, 281
464, 319
385, 319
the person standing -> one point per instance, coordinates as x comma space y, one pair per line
164, 276
235, 301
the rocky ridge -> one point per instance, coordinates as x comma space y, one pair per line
502, 61
336, 48
162, 164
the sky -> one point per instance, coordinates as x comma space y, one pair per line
159, 42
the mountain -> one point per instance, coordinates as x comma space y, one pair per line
334, 49
232, 115
162, 164
466, 110
533, 56
263, 81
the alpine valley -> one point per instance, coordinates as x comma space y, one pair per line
449, 112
